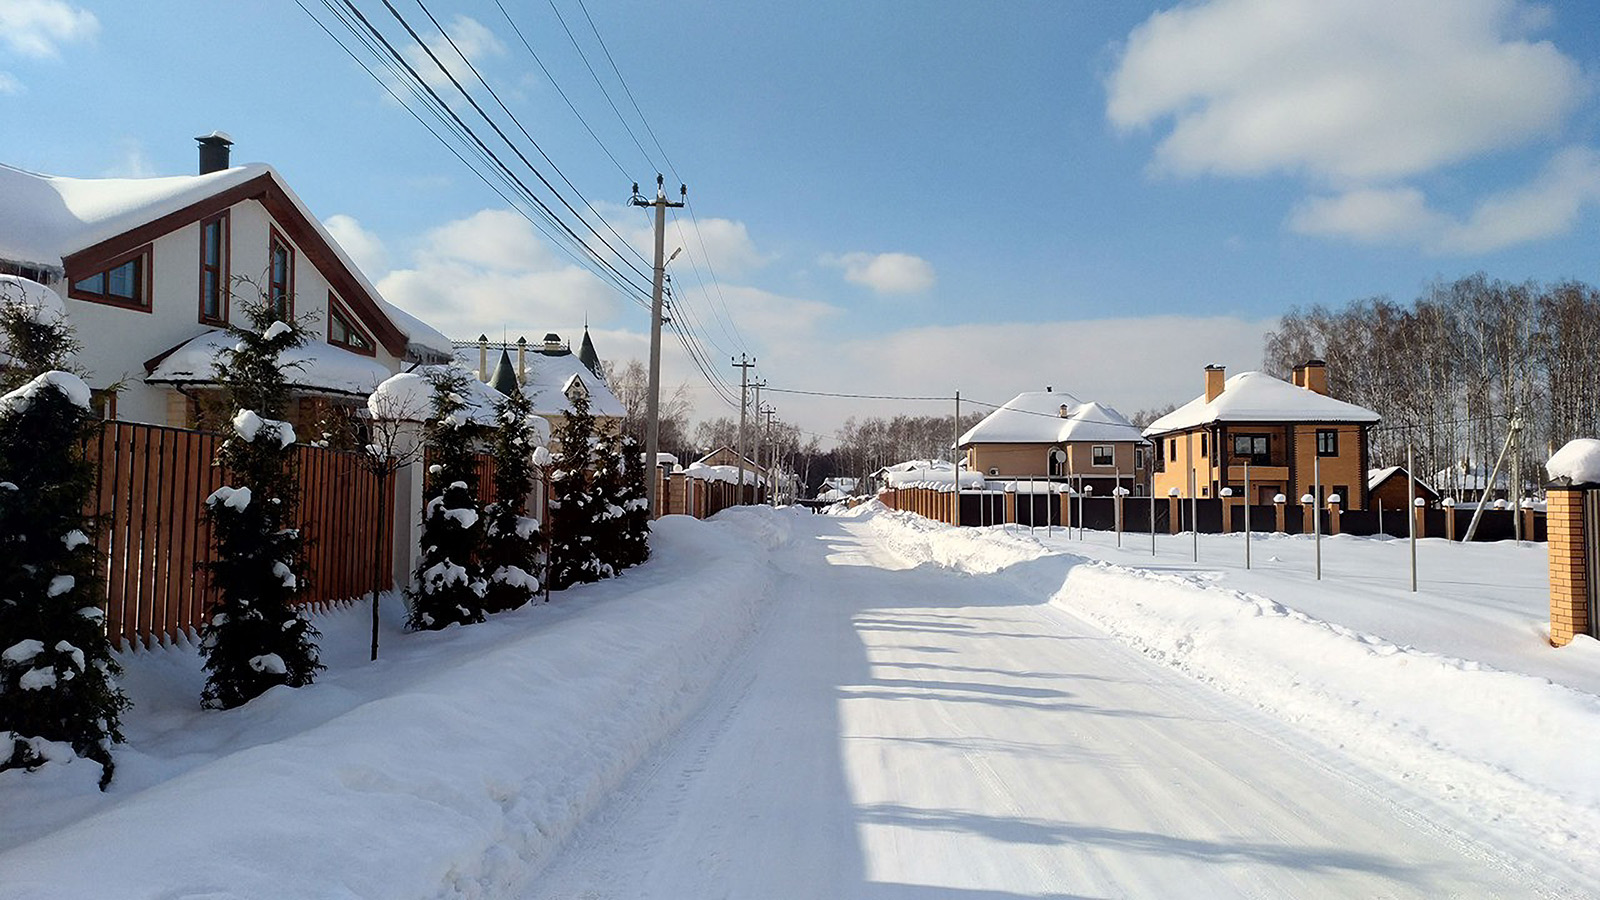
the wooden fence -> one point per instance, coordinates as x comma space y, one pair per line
150, 503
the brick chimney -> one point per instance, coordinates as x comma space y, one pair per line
1314, 376
214, 152
1298, 376
1215, 377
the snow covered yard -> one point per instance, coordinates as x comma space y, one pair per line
449, 767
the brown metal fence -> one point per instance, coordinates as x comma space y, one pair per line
150, 502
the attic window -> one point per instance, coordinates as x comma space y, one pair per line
126, 282
280, 277
214, 269
343, 332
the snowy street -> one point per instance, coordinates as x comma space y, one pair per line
784, 705
896, 731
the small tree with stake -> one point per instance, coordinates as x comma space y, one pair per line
57, 675
256, 636
448, 586
390, 445
511, 539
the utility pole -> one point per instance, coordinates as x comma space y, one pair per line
652, 433
772, 470
755, 449
744, 365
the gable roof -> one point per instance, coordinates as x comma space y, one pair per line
548, 379
1376, 477
731, 452
1034, 417
78, 224
1258, 397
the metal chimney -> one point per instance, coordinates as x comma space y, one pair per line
214, 152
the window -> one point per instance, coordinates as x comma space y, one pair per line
214, 269
126, 282
1343, 490
1103, 455
1202, 443
1327, 442
280, 277
1138, 458
1172, 448
1254, 447
343, 332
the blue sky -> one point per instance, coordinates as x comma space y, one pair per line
896, 197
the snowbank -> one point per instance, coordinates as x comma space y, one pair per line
1578, 462
1503, 746
452, 767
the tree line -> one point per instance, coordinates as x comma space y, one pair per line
1450, 370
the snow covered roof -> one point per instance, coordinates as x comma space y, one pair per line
1035, 417
546, 381
1258, 397
46, 219
727, 474
1376, 477
1577, 463
321, 367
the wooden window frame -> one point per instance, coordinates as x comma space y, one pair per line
274, 237
1333, 438
1094, 455
1172, 448
221, 267
337, 308
143, 255
1264, 458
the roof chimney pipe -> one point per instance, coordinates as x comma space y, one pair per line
214, 152
1216, 378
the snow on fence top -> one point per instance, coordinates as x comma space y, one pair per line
725, 474
1576, 463
937, 477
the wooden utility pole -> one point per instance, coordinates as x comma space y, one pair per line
652, 433
755, 451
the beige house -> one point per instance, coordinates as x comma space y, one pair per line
1285, 432
1050, 435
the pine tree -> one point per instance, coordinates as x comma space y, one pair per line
448, 586
572, 500
635, 504
57, 674
256, 636
511, 539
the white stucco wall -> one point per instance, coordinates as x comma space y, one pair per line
117, 341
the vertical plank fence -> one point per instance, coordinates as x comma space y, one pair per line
154, 541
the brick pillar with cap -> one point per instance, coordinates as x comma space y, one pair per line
1570, 567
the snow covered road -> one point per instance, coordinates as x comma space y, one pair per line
898, 731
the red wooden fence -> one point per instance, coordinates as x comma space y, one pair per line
150, 500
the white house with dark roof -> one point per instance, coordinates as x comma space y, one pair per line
1052, 434
150, 271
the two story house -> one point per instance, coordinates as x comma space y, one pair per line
1285, 432
1050, 435
152, 269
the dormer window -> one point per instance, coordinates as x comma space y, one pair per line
125, 282
343, 332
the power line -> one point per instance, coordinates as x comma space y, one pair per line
625, 89
598, 83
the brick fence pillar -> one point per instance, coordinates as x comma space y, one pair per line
1228, 503
1066, 510
1333, 517
1569, 564
1419, 515
1278, 502
1011, 507
1175, 514
1449, 505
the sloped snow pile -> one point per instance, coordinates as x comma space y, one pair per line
39, 302
1505, 746
452, 767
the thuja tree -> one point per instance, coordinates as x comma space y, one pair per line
610, 521
573, 501
511, 540
635, 504
57, 675
256, 636
448, 586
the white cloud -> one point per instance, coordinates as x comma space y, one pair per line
9, 84
492, 271
885, 273
1357, 90
37, 28
364, 247
474, 40
1548, 205
131, 162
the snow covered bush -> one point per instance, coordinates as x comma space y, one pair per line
511, 540
448, 586
256, 636
574, 507
610, 519
57, 675
635, 505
